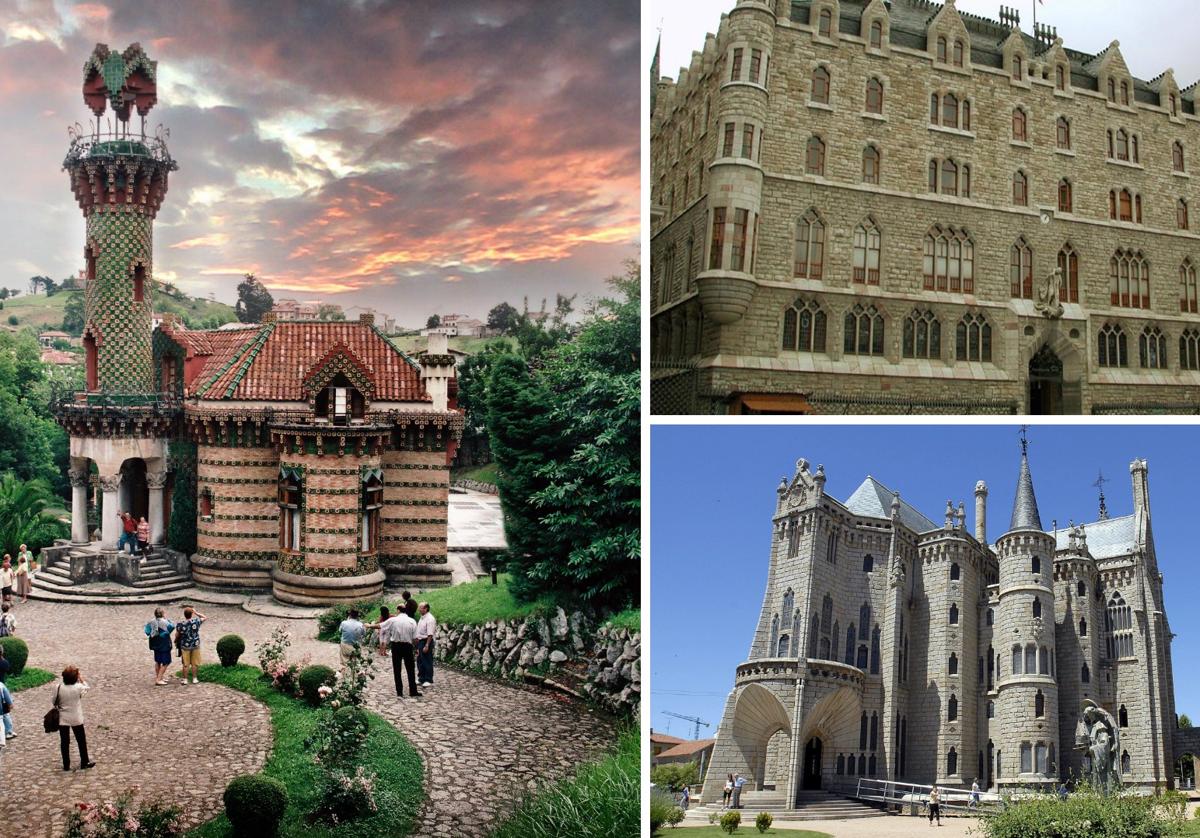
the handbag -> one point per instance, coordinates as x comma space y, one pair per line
50, 720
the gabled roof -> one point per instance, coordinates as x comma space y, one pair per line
1106, 539
665, 738
687, 749
874, 500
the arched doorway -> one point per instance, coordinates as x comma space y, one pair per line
778, 759
758, 717
811, 778
1045, 383
134, 496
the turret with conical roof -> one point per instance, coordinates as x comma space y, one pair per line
1025, 510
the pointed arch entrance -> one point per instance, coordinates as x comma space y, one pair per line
1045, 383
811, 776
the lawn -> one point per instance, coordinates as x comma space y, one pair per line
29, 678
1191, 829
483, 474
387, 753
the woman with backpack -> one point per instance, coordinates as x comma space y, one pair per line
159, 631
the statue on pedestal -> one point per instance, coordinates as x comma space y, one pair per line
1098, 736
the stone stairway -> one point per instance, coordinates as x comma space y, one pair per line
158, 581
810, 806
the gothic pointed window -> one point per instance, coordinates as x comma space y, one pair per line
958, 53
824, 23
1021, 270
1030, 659
1134, 144
1125, 762
934, 108
868, 563
1037, 607
1043, 661
775, 635
372, 504
973, 339
1064, 133
820, 86
1189, 350
784, 643
863, 331
1060, 77
966, 115
1018, 68
814, 160
955, 572
952, 665
964, 187
876, 35
1085, 674
837, 634
953, 614
1174, 104
874, 96
861, 661
933, 176
1123, 717
941, 49
1129, 279
1035, 566
1020, 189
1064, 195
1039, 704
1125, 93
1122, 144
1118, 626
1112, 204
949, 263
952, 708
991, 709
850, 637
1080, 589
841, 764
874, 743
866, 253
804, 327
1016, 660
814, 638
871, 165
922, 335
1181, 214
949, 177
290, 509
1026, 758
1083, 627
1112, 90
950, 110
1112, 346
1068, 266
810, 246
1019, 122
1152, 348
1177, 156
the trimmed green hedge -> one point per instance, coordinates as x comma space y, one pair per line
255, 805
16, 652
1083, 813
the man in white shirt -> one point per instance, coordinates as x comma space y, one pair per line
426, 627
400, 631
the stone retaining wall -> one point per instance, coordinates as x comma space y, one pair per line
476, 486
567, 652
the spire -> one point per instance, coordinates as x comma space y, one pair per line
1099, 484
654, 74
1025, 512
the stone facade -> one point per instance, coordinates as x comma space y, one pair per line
731, 138
894, 648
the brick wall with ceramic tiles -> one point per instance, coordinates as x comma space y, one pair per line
244, 484
416, 490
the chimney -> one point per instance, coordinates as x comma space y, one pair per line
437, 344
981, 492
268, 317
367, 318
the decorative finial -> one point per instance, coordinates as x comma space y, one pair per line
1099, 484
895, 504
1024, 441
801, 464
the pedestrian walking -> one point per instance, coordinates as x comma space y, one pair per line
24, 585
159, 631
426, 627
401, 631
935, 807
351, 631
738, 782
974, 801
727, 795
6, 707
187, 634
684, 799
8, 578
143, 536
68, 698
8, 623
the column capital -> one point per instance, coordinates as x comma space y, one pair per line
110, 482
78, 476
156, 479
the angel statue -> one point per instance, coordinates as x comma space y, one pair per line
1099, 737
1048, 301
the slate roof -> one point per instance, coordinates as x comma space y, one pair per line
1106, 539
874, 500
1025, 511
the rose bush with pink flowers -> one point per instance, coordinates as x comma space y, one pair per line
120, 818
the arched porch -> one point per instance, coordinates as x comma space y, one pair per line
133, 478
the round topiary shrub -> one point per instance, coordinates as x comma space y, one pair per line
255, 804
731, 820
312, 678
763, 822
229, 649
16, 652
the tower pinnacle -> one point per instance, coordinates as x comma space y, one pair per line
1025, 512
1099, 484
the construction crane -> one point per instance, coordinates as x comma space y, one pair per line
696, 722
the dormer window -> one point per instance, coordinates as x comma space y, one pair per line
824, 23
1112, 91
958, 53
1174, 105
941, 50
340, 402
876, 35
1125, 93
1018, 68
1060, 77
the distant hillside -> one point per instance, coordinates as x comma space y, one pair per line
37, 311
413, 344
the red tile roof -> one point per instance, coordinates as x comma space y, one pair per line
685, 749
270, 362
665, 739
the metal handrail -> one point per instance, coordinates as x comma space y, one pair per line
116, 142
914, 795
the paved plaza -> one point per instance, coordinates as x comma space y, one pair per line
483, 743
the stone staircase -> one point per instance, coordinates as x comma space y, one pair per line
810, 806
157, 580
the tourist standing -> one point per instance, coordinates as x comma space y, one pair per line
426, 627
6, 706
974, 803
128, 532
935, 807
68, 698
24, 585
728, 793
187, 634
8, 623
685, 798
400, 631
385, 614
159, 631
352, 631
410, 605
143, 536
7, 579
738, 782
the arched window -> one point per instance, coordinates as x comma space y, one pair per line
862, 764
804, 327
1123, 717
871, 766
810, 246
1020, 189
866, 252
941, 49
876, 35
991, 708
934, 108
952, 665
922, 335
820, 86
953, 614
1152, 348
863, 331
952, 708
735, 67
1037, 607
1125, 93
1118, 625
874, 96
824, 23
1112, 346
864, 619
868, 563
1112, 204
290, 504
814, 161
990, 618
875, 651
1177, 156
1181, 214
958, 53
1187, 287
814, 638
850, 644
933, 176
974, 341
1129, 279
964, 187
949, 177
1083, 627
1019, 125
871, 165
1174, 104
966, 115
1064, 133
1125, 762
775, 637
139, 283
1035, 565
1016, 660
837, 633
1080, 589
1043, 661
950, 110
955, 572
1039, 704
372, 504
1060, 77
1085, 674
789, 601
1112, 90
1134, 144
1021, 270
1030, 659
841, 764
949, 260
952, 762
1018, 68
1189, 349
1064, 195
784, 642
1068, 265
1122, 144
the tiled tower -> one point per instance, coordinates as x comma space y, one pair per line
119, 178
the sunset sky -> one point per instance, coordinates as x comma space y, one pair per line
416, 157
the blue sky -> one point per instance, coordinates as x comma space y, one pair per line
712, 492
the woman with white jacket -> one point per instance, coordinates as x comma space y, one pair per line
68, 698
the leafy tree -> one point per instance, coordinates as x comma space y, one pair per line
36, 282
25, 516
502, 318
433, 322
675, 775
472, 374
3, 293
13, 292
1184, 722
254, 300
330, 311
71, 283
72, 322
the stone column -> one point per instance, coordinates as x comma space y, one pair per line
110, 524
156, 480
79, 505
